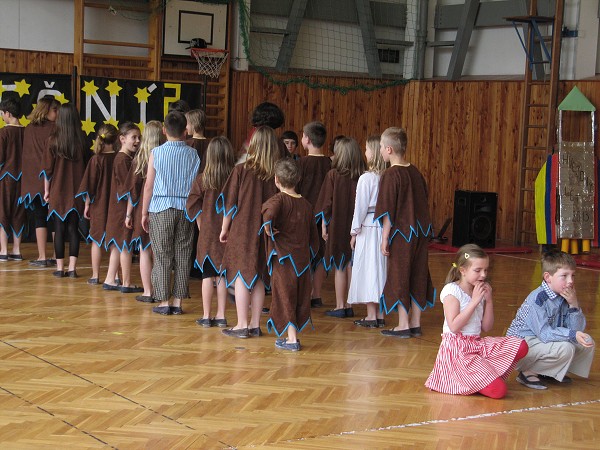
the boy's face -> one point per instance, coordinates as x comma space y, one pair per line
291, 145
385, 154
563, 278
305, 141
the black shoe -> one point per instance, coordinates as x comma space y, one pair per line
205, 323
242, 333
531, 384
72, 274
366, 323
59, 273
349, 312
130, 289
221, 323
255, 332
163, 310
15, 257
110, 287
380, 323
415, 332
566, 379
316, 302
339, 313
39, 263
402, 334
93, 281
145, 298
176, 310
266, 310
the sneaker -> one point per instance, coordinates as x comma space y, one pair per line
242, 333
527, 382
284, 345
255, 332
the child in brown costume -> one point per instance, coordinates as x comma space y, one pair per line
12, 214
289, 222
403, 211
196, 121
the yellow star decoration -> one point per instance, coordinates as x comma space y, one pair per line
24, 121
142, 95
141, 125
88, 126
2, 123
1, 88
93, 144
61, 98
89, 88
112, 121
113, 88
22, 87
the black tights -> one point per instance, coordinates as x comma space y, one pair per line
70, 228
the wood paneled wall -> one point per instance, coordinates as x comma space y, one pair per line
462, 135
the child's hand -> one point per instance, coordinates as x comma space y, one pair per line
128, 222
46, 196
570, 295
86, 212
385, 247
223, 236
479, 291
487, 294
584, 339
324, 231
353, 242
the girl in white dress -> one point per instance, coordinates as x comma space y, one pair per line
369, 262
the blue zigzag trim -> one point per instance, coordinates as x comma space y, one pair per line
13, 232
333, 263
62, 218
45, 175
271, 327
272, 237
121, 197
321, 217
191, 219
384, 309
85, 194
199, 266
8, 174
120, 248
414, 232
220, 205
27, 200
91, 239
238, 274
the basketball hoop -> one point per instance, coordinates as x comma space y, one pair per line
210, 60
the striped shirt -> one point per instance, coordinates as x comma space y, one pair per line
547, 316
176, 166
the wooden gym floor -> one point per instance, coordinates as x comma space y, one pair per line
90, 369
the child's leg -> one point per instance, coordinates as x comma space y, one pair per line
73, 230
496, 389
341, 288
221, 298
292, 335
414, 316
16, 244
96, 253
59, 243
125, 261
183, 240
207, 293
318, 278
3, 241
113, 266
41, 236
372, 311
242, 303
40, 214
146, 270
258, 299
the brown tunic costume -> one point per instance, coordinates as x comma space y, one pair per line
313, 170
203, 203
65, 176
242, 198
289, 254
116, 231
403, 198
336, 207
35, 142
200, 145
96, 186
12, 214
134, 185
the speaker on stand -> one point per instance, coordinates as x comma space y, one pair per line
474, 218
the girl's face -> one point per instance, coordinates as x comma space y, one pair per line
369, 153
52, 114
130, 141
291, 145
475, 271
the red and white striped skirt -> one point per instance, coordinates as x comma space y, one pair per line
467, 364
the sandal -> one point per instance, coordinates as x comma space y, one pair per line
528, 382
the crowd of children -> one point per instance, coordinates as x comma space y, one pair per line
275, 221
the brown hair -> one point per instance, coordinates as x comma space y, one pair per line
220, 160
287, 172
316, 132
125, 128
555, 259
107, 135
67, 139
196, 119
263, 153
348, 158
396, 138
464, 256
40, 114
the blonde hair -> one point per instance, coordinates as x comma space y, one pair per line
396, 138
376, 164
287, 172
464, 256
151, 137
196, 119
348, 158
107, 135
220, 160
40, 114
263, 153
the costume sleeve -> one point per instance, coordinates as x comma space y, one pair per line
361, 204
270, 213
386, 200
193, 207
227, 202
323, 207
120, 172
48, 161
537, 319
3, 145
315, 239
90, 180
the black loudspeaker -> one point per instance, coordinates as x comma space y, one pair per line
474, 218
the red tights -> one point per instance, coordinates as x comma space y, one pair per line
497, 388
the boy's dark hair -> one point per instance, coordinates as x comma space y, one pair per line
289, 134
553, 260
179, 105
267, 114
11, 105
287, 172
175, 124
316, 132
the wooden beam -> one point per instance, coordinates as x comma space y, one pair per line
291, 36
365, 20
463, 36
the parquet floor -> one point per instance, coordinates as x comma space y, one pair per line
84, 368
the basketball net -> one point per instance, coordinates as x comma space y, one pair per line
209, 60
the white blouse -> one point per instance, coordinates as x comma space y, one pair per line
473, 326
366, 199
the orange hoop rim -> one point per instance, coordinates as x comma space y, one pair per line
195, 50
